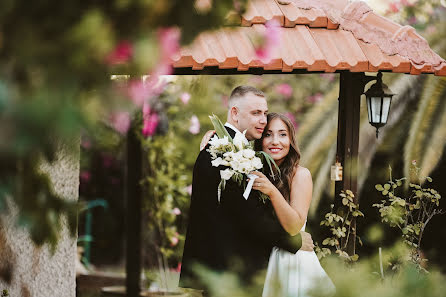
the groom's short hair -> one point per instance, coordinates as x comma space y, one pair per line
241, 91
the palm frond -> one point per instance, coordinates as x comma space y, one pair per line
421, 127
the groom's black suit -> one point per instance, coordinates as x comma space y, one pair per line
235, 235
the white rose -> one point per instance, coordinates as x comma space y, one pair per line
228, 156
249, 154
235, 164
240, 140
226, 174
257, 163
217, 162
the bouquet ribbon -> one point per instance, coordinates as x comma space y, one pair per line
252, 178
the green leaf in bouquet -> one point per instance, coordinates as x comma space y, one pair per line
270, 162
219, 127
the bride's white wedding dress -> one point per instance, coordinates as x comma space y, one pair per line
293, 275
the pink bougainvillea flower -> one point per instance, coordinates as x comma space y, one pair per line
86, 143
178, 269
394, 7
285, 90
189, 189
328, 76
169, 42
120, 121
185, 97
203, 6
121, 54
150, 123
412, 20
85, 176
174, 241
271, 39
292, 118
139, 91
225, 100
315, 98
194, 127
176, 211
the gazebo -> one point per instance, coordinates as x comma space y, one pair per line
316, 36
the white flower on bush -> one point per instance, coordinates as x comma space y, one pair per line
226, 174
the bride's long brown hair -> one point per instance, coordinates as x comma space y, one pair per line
292, 159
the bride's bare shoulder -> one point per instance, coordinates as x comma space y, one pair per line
301, 173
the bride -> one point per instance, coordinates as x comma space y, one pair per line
289, 275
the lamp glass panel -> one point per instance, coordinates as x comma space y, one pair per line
369, 109
386, 108
376, 109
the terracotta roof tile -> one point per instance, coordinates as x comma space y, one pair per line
317, 35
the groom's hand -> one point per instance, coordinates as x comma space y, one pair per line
307, 242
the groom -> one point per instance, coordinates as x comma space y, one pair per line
236, 235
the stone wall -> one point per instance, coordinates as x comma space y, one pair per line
37, 272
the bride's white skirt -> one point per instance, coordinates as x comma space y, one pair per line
294, 275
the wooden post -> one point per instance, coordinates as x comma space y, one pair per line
351, 88
133, 214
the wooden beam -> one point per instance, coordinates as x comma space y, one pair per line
133, 199
351, 88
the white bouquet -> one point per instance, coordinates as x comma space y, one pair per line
238, 155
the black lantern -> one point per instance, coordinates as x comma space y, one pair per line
379, 98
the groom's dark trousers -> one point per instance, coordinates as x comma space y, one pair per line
233, 236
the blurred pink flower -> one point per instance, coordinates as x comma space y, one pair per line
107, 160
178, 269
292, 118
146, 110
412, 20
189, 189
414, 162
315, 98
120, 121
194, 127
407, 3
150, 123
394, 7
174, 241
271, 40
86, 143
225, 100
140, 91
176, 211
169, 39
328, 76
85, 176
185, 97
203, 6
285, 90
121, 54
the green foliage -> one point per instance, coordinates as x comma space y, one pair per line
410, 212
401, 278
165, 183
340, 223
5, 293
